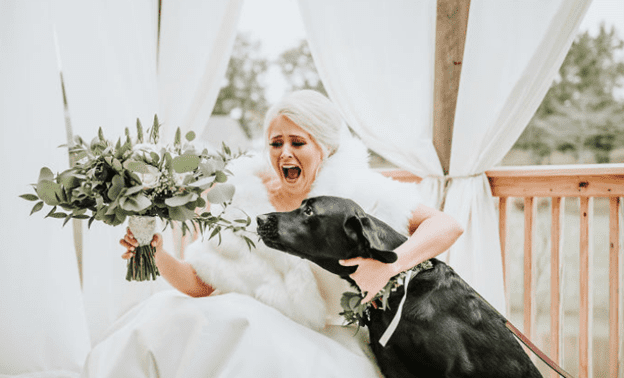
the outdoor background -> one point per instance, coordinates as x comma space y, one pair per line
580, 121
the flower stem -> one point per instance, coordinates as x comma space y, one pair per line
142, 266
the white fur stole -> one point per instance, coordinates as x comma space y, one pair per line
277, 279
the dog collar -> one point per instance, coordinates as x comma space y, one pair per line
357, 312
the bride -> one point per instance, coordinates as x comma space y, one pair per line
263, 313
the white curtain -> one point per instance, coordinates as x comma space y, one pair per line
108, 55
42, 320
107, 50
113, 76
196, 41
377, 62
512, 54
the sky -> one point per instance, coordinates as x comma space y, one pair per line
277, 25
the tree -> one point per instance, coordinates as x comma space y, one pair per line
243, 94
580, 111
299, 70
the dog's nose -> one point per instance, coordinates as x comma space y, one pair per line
261, 219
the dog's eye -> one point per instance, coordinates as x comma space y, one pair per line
308, 211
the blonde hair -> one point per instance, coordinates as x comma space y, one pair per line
314, 113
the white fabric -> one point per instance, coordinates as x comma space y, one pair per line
196, 40
113, 77
377, 63
230, 335
283, 281
237, 335
42, 321
108, 56
513, 52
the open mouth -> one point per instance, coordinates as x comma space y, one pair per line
291, 172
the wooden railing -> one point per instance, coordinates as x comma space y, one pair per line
585, 182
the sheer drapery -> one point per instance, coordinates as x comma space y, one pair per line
377, 63
117, 71
513, 51
196, 40
108, 52
42, 320
108, 56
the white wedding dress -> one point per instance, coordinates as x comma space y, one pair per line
275, 315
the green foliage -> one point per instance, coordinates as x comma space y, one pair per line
299, 70
580, 110
112, 181
244, 91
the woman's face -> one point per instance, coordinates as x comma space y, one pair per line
294, 154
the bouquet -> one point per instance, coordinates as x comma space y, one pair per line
141, 180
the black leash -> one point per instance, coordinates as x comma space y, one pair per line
525, 340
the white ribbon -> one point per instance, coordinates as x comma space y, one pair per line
397, 317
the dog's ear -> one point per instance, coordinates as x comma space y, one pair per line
365, 232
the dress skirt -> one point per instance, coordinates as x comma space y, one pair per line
228, 335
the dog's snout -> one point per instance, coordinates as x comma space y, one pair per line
262, 219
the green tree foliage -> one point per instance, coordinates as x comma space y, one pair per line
580, 111
299, 70
243, 94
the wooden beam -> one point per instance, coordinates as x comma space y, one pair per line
451, 24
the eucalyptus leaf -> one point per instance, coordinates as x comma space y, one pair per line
133, 190
116, 188
185, 163
29, 197
190, 136
48, 191
203, 184
45, 174
69, 179
181, 200
135, 203
210, 166
38, 206
220, 176
221, 193
140, 167
181, 213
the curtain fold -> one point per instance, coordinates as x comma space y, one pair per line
512, 54
115, 73
196, 40
108, 56
42, 322
376, 61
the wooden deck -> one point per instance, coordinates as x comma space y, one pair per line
585, 182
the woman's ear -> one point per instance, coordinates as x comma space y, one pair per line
365, 232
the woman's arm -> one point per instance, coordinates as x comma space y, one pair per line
179, 274
432, 232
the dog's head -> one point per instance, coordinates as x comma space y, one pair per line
327, 229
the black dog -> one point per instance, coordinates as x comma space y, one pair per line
446, 329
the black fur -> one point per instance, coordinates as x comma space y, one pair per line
446, 329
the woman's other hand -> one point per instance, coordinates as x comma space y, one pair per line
130, 243
371, 275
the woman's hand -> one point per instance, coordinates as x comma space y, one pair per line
371, 275
130, 243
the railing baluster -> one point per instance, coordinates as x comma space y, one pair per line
556, 275
503, 213
530, 211
586, 294
614, 281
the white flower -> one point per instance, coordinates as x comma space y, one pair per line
150, 180
178, 178
145, 149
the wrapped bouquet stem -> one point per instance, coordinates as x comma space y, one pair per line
142, 265
140, 179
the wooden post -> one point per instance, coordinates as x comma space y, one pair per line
451, 24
